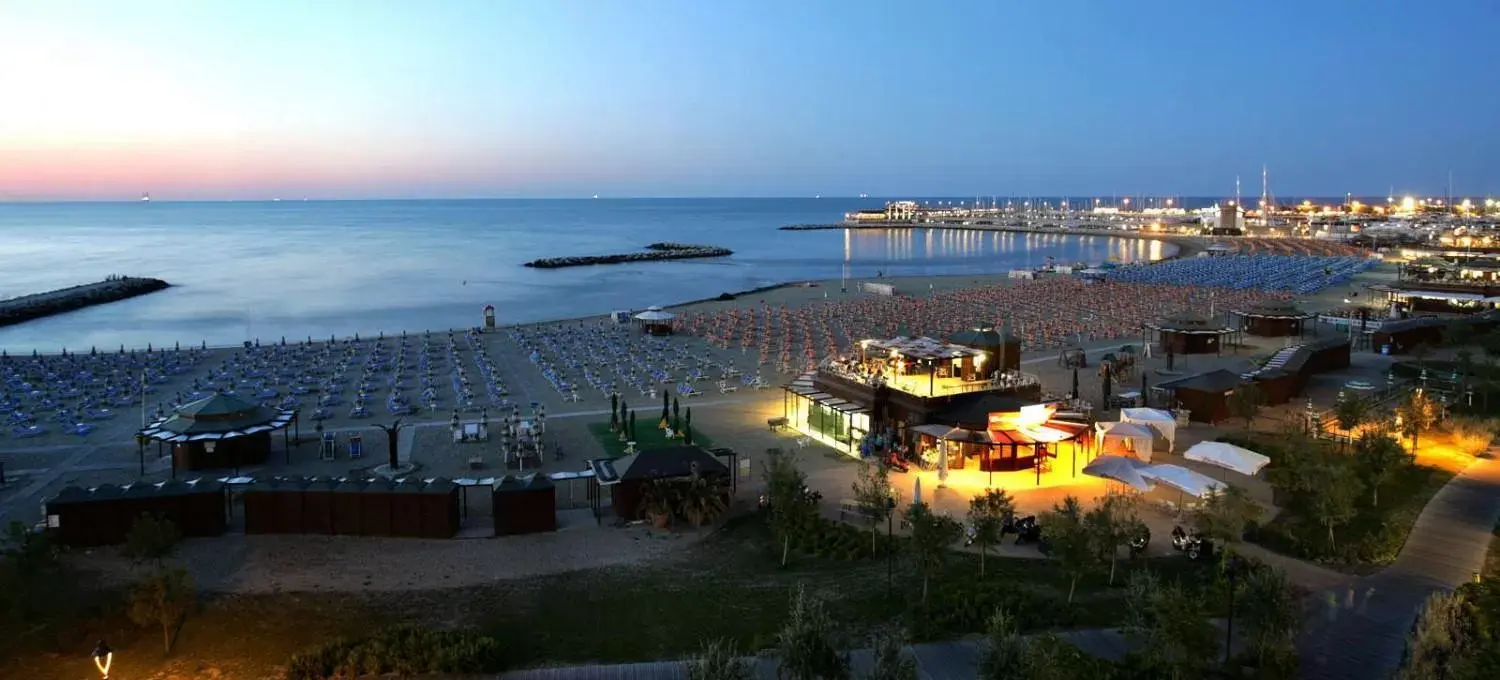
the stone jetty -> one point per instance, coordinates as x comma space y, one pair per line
114, 288
652, 253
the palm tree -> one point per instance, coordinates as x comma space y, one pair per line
699, 499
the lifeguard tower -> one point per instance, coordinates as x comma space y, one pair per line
489, 317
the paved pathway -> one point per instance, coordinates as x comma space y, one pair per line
1358, 631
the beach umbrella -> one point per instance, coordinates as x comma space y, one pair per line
1074, 393
916, 494
1119, 469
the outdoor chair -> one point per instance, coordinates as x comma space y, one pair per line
724, 386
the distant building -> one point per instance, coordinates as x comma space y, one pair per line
895, 211
1225, 218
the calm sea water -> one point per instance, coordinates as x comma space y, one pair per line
266, 270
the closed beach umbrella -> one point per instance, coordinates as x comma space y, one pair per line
916, 494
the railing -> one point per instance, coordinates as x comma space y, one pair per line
1008, 380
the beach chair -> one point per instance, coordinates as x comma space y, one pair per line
724, 387
356, 446
326, 447
81, 429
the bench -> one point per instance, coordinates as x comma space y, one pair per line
777, 424
849, 506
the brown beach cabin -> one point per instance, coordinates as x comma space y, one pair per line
1205, 395
626, 476
1275, 319
439, 502
346, 496
220, 431
1190, 333
524, 505
104, 515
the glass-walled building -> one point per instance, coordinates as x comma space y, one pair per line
838, 423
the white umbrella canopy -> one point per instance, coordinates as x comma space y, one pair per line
1187, 481
1227, 456
1119, 469
655, 314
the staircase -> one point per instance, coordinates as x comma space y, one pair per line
1276, 361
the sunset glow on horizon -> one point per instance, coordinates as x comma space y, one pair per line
346, 99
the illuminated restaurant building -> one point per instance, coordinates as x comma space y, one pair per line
935, 399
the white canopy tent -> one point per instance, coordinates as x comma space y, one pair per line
1227, 456
1134, 438
1120, 469
1192, 483
1163, 423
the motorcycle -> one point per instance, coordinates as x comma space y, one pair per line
1197, 546
1027, 530
894, 462
1139, 542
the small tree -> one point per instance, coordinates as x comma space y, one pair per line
792, 511
987, 513
872, 491
1111, 525
1225, 514
891, 660
719, 660
1245, 402
1418, 413
1377, 458
1178, 639
1333, 504
805, 643
1439, 639
1268, 613
1069, 541
1004, 654
1352, 412
931, 537
163, 599
151, 538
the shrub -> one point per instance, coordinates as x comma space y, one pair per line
1471, 435
403, 651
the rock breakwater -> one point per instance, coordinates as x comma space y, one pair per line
115, 288
652, 253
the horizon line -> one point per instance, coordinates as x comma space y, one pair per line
1114, 198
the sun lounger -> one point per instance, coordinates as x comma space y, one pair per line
724, 386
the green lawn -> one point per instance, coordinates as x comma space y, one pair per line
647, 437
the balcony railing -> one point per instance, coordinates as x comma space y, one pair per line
919, 386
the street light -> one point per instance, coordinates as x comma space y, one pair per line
103, 656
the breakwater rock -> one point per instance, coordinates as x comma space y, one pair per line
652, 253
112, 289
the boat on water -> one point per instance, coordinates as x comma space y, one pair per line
146, 197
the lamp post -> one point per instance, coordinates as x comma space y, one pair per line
103, 657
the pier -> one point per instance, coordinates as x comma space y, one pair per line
38, 305
652, 253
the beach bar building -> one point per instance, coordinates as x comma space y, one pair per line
220, 431
655, 321
889, 387
627, 476
997, 433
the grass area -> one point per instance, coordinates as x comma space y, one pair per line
1371, 539
647, 437
730, 585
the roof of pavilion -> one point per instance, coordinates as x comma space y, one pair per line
922, 347
218, 416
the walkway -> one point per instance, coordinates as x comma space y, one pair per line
1358, 631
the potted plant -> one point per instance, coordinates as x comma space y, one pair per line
701, 500
658, 500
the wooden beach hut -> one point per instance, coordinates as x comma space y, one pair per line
406, 509
524, 505
1277, 318
1190, 333
70, 518
1204, 395
201, 507
375, 508
346, 497
317, 506
439, 501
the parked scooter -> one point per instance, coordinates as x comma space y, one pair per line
1140, 541
895, 462
1197, 546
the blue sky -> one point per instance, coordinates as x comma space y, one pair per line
349, 99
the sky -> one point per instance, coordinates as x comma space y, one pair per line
192, 100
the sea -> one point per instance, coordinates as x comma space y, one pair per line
246, 271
